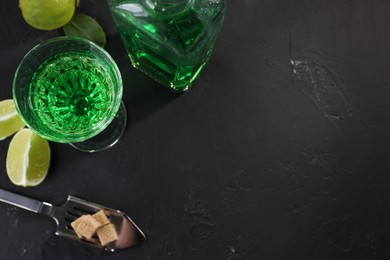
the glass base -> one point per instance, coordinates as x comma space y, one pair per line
109, 137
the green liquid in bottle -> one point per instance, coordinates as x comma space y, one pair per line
70, 93
170, 46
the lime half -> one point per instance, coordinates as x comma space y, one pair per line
47, 14
10, 121
28, 159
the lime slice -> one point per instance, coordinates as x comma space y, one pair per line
10, 121
28, 159
47, 14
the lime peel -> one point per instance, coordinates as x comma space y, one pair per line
47, 14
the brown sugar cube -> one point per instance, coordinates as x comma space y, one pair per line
101, 217
87, 226
107, 234
75, 224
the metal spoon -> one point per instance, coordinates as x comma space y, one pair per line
129, 234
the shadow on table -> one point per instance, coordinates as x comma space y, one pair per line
141, 95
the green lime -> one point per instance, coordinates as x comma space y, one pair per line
28, 158
47, 14
10, 121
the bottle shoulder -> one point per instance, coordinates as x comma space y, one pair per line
140, 9
180, 31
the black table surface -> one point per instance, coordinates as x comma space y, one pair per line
279, 151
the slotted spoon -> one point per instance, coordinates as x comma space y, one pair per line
129, 234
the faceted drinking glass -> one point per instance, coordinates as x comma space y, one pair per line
68, 90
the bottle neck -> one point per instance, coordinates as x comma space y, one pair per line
168, 6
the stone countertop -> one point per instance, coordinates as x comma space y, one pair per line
279, 151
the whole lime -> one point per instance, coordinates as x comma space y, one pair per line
47, 14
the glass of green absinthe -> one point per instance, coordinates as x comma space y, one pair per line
69, 90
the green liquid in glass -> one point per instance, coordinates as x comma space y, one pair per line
171, 48
70, 93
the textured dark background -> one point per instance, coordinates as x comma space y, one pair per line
280, 150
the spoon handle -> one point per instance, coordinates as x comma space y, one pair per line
21, 201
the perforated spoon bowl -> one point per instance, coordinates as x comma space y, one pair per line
129, 234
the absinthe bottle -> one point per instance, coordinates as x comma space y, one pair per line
169, 40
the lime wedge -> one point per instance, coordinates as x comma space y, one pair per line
10, 121
28, 159
47, 14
